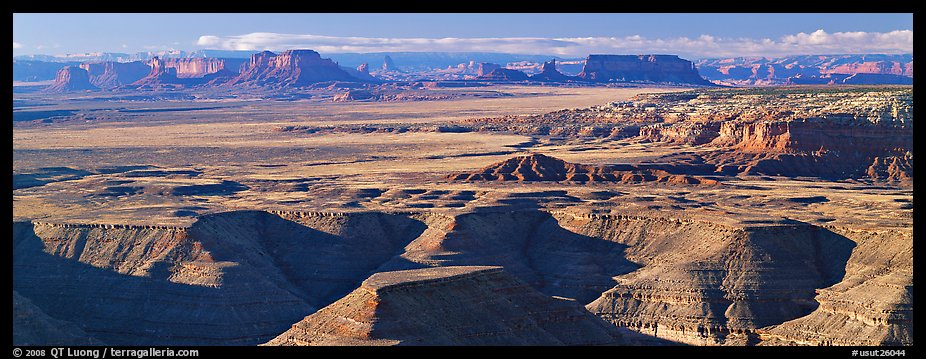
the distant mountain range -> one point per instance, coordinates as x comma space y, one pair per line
738, 71
306, 68
809, 69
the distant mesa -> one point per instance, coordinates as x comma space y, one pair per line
650, 68
71, 78
539, 167
454, 305
111, 74
292, 68
157, 72
503, 74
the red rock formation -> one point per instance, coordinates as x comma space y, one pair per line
656, 68
111, 74
71, 78
550, 74
538, 167
160, 75
813, 136
198, 67
293, 68
364, 68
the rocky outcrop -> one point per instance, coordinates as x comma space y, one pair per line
449, 306
538, 167
692, 133
354, 95
818, 149
485, 68
71, 78
872, 305
503, 74
388, 64
293, 68
111, 74
719, 292
813, 136
549, 73
650, 68
160, 75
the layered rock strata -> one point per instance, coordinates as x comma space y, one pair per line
292, 68
449, 306
71, 78
111, 74
245, 277
538, 167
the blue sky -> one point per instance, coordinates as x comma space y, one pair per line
692, 35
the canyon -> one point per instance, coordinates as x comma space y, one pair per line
254, 273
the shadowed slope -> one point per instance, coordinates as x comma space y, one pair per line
539, 167
449, 306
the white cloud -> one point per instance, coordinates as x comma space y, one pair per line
17, 45
705, 45
209, 40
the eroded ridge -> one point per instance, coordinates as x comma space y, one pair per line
244, 277
449, 306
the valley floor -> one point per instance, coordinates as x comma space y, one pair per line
754, 259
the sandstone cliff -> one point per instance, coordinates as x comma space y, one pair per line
245, 277
111, 74
549, 73
293, 68
449, 306
654, 68
872, 305
71, 78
